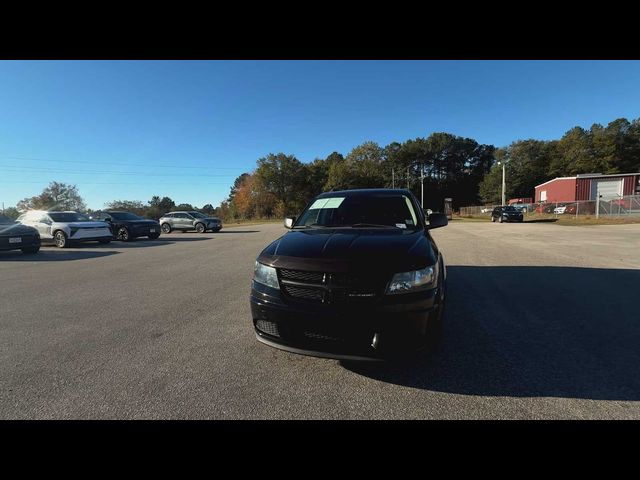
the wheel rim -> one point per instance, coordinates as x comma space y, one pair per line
200, 228
60, 241
165, 228
123, 234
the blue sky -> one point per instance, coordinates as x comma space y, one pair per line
133, 129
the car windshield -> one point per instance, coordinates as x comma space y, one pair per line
5, 220
393, 211
68, 217
510, 209
124, 216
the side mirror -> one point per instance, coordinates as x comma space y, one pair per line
437, 220
289, 221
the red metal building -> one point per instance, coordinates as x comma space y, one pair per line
588, 187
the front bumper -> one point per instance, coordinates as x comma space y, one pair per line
90, 239
27, 242
400, 324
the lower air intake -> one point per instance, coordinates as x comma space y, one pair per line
270, 328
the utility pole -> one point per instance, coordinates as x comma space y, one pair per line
393, 178
422, 186
503, 184
407, 178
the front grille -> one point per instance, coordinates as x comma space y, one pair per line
313, 294
298, 275
337, 288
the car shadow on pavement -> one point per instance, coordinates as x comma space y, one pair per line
532, 332
238, 231
52, 255
542, 220
141, 243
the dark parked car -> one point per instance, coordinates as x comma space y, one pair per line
186, 221
126, 226
15, 236
358, 277
506, 214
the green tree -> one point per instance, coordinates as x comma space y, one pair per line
361, 168
134, 206
284, 176
57, 196
11, 212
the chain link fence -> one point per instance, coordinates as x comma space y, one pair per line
622, 206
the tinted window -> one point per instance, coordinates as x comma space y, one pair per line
389, 210
124, 216
68, 217
197, 215
510, 209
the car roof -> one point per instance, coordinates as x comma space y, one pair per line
365, 192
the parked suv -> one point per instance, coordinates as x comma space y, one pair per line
185, 221
506, 214
64, 228
126, 226
14, 236
358, 277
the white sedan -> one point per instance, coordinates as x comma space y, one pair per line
559, 210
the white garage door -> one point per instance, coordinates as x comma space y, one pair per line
609, 189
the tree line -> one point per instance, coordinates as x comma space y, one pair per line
62, 196
281, 184
453, 166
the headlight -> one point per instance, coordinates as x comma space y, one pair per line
407, 282
266, 275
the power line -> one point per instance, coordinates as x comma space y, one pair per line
154, 165
14, 169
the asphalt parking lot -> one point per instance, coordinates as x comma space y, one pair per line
542, 321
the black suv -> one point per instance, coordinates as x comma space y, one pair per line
126, 226
358, 277
506, 214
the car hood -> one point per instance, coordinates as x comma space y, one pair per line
349, 249
16, 229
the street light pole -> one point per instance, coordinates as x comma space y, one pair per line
503, 182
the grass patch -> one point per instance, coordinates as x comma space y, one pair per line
245, 223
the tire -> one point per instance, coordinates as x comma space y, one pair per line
105, 240
200, 228
493, 219
500, 220
30, 250
60, 239
123, 234
166, 228
154, 236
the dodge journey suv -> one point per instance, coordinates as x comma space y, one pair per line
357, 277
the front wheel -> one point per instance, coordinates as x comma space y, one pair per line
166, 228
500, 220
30, 250
493, 219
60, 239
200, 228
123, 234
